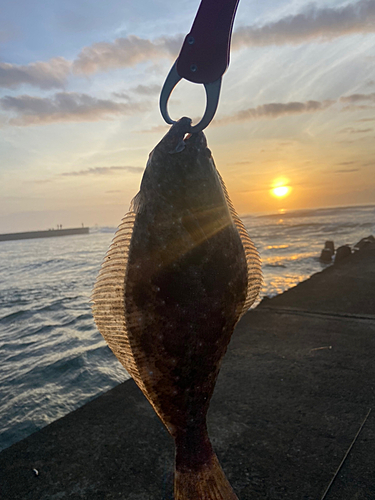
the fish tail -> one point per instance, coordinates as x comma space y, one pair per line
199, 476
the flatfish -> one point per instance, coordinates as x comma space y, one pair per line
179, 274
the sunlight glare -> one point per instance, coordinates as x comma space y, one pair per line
280, 188
281, 191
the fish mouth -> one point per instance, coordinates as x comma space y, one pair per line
195, 142
179, 137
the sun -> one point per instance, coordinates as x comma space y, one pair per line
280, 187
281, 191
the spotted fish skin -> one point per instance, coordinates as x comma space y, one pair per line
188, 271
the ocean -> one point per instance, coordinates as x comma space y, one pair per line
53, 359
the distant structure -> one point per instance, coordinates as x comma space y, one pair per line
45, 234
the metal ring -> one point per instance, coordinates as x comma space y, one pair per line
171, 81
212, 95
212, 99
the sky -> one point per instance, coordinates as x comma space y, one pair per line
79, 90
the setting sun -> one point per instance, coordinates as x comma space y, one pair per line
280, 187
281, 191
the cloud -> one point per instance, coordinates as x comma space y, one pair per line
313, 23
354, 141
356, 107
121, 95
75, 107
361, 131
64, 107
104, 171
147, 89
125, 52
275, 110
346, 170
358, 97
158, 129
245, 162
351, 130
102, 56
143, 90
45, 75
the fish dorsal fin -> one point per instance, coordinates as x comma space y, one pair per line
109, 296
254, 269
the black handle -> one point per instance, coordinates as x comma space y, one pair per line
204, 56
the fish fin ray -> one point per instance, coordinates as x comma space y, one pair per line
108, 298
108, 304
207, 483
254, 270
136, 203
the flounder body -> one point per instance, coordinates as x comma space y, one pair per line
179, 274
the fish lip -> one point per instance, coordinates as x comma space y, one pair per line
180, 134
179, 129
179, 137
196, 142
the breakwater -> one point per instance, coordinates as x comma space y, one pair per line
50, 233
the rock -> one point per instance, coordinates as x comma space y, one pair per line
327, 252
364, 242
326, 255
330, 245
342, 253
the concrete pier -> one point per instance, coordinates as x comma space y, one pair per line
296, 385
51, 233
